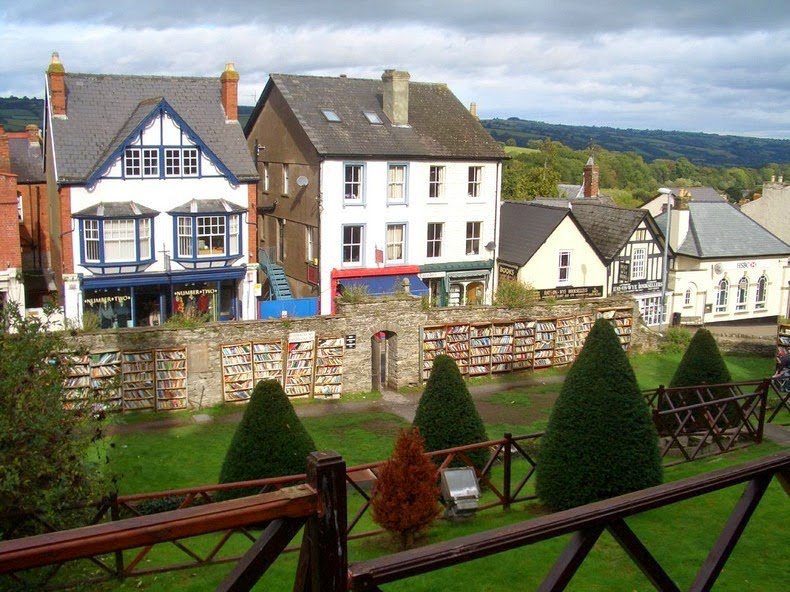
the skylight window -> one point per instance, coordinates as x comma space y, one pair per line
373, 117
330, 115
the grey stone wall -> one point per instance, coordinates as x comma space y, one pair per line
402, 316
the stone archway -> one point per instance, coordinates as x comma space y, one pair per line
383, 360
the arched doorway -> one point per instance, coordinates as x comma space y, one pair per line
383, 360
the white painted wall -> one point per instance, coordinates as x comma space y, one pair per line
454, 209
542, 270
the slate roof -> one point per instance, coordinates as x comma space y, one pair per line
115, 209
27, 160
207, 206
700, 194
719, 230
525, 227
439, 125
608, 227
100, 107
567, 191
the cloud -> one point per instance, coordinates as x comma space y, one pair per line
687, 66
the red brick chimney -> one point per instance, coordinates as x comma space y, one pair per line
57, 85
230, 92
590, 178
5, 154
32, 133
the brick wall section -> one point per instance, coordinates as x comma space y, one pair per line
405, 318
35, 224
10, 250
67, 247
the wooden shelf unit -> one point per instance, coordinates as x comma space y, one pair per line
545, 336
106, 378
237, 373
433, 344
565, 341
622, 319
480, 349
457, 345
299, 365
267, 360
523, 344
171, 378
329, 367
584, 324
77, 386
502, 334
138, 380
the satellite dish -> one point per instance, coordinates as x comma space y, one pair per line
302, 181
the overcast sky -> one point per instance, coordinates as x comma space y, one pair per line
718, 66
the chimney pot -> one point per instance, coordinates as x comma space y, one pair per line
395, 96
590, 178
32, 133
473, 109
773, 178
57, 85
781, 178
229, 92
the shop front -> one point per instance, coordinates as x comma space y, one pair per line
145, 300
458, 283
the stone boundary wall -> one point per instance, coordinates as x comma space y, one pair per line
402, 316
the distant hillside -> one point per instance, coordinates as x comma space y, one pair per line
699, 148
17, 112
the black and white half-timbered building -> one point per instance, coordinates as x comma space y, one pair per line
632, 247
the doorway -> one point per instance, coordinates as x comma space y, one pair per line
383, 361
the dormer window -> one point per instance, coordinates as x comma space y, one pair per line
373, 117
330, 115
207, 233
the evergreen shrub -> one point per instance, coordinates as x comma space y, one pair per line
600, 441
270, 441
446, 415
702, 362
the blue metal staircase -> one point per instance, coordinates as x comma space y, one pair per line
279, 288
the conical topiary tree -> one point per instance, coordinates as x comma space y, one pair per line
701, 363
446, 415
270, 441
600, 441
406, 495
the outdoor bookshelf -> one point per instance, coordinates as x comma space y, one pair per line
77, 386
329, 367
138, 381
171, 378
433, 344
480, 349
565, 341
622, 319
457, 345
502, 347
545, 336
523, 344
237, 376
584, 324
299, 364
106, 378
267, 360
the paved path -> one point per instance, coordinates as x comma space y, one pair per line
403, 405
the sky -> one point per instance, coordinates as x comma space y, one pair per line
719, 66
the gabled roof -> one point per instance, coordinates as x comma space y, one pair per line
100, 108
718, 230
27, 160
526, 226
439, 125
610, 227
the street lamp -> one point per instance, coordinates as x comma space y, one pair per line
662, 312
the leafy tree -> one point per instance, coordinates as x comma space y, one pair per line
600, 441
701, 363
270, 441
45, 464
406, 493
515, 294
446, 415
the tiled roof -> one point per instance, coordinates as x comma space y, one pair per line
207, 206
115, 209
100, 107
699, 194
570, 191
27, 161
717, 229
439, 125
525, 227
609, 227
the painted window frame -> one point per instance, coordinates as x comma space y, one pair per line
564, 270
761, 292
95, 226
742, 294
186, 236
137, 162
286, 179
691, 292
472, 245
722, 290
266, 178
436, 181
474, 185
359, 183
403, 243
403, 184
638, 264
311, 243
433, 244
360, 246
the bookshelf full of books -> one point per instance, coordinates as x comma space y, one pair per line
299, 364
502, 347
584, 323
523, 344
565, 342
545, 336
622, 320
106, 378
171, 378
329, 367
237, 371
267, 360
457, 345
433, 344
137, 380
77, 386
480, 349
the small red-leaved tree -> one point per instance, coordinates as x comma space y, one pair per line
406, 495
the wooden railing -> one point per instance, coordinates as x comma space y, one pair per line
587, 523
779, 398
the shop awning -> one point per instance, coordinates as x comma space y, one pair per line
150, 279
457, 266
380, 285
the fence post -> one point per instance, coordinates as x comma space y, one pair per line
764, 387
115, 515
324, 545
507, 467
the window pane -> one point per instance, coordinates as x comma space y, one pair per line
396, 234
190, 161
434, 239
150, 162
436, 181
185, 237
233, 235
172, 162
132, 162
352, 244
91, 235
564, 266
119, 240
396, 189
210, 236
638, 258
144, 249
475, 173
760, 295
473, 238
721, 296
353, 182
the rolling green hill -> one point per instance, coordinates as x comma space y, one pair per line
699, 148
17, 112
